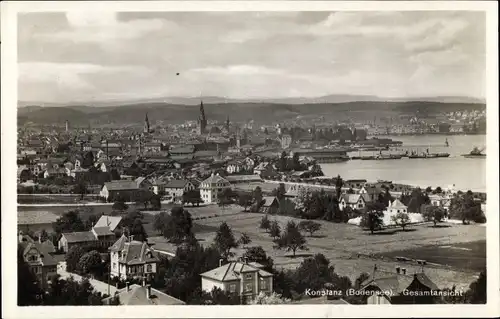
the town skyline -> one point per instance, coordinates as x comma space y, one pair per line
71, 58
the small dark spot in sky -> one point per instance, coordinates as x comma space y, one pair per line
177, 73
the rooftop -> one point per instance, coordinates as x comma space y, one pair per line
137, 295
232, 271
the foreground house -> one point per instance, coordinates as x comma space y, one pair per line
210, 187
405, 289
39, 259
102, 234
245, 279
136, 295
132, 259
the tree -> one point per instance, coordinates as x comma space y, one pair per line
265, 223
339, 183
90, 222
155, 202
272, 299
73, 257
159, 221
465, 208
221, 297
309, 226
224, 240
119, 205
258, 255
245, 200
428, 190
244, 240
193, 197
282, 162
90, 262
257, 198
401, 219
373, 218
69, 222
275, 229
43, 236
28, 290
296, 162
438, 190
73, 293
292, 239
280, 191
178, 226
182, 276
115, 176
314, 272
137, 230
81, 189
477, 290
225, 197
434, 214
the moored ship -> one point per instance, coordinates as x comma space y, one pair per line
475, 153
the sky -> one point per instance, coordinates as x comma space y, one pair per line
105, 56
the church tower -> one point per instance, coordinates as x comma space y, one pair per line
202, 121
227, 123
146, 125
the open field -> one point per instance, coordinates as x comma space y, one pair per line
471, 255
353, 250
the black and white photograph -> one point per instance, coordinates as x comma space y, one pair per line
226, 157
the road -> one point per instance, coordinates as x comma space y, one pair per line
100, 286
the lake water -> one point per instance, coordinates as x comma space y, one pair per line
465, 173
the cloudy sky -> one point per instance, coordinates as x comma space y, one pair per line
75, 56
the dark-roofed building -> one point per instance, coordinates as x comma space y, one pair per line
242, 278
401, 288
271, 205
136, 295
119, 189
68, 240
35, 221
40, 261
177, 188
131, 258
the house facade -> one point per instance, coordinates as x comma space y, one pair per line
40, 261
244, 279
119, 189
355, 201
210, 187
176, 188
396, 207
132, 259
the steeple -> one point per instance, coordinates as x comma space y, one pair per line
202, 121
227, 123
146, 124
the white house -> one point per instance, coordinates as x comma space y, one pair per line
211, 186
177, 188
285, 140
396, 207
355, 201
241, 278
260, 168
133, 259
234, 167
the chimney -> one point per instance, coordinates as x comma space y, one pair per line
148, 291
131, 238
403, 270
220, 262
398, 270
144, 281
127, 285
245, 260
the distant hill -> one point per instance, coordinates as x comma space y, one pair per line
262, 112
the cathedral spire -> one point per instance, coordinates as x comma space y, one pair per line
202, 121
146, 124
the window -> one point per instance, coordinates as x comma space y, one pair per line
232, 288
149, 268
248, 276
263, 283
248, 287
114, 265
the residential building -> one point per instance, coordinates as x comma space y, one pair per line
396, 207
35, 221
119, 189
234, 167
271, 205
113, 223
400, 288
210, 187
177, 188
355, 201
286, 141
131, 258
39, 259
136, 295
245, 279
56, 172
101, 234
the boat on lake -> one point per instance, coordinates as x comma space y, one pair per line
475, 153
387, 157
